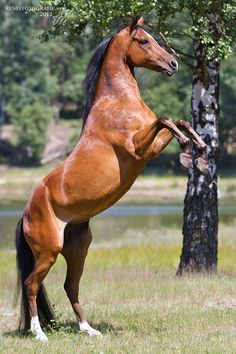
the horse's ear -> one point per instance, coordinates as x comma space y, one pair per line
141, 21
133, 24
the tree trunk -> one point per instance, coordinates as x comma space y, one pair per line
2, 116
200, 227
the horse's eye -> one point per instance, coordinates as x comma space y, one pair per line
143, 41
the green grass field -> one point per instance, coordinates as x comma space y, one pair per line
129, 290
131, 294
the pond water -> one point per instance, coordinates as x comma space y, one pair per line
122, 224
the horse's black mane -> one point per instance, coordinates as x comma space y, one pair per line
94, 68
93, 71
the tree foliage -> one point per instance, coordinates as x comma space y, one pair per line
32, 121
52, 73
26, 85
74, 16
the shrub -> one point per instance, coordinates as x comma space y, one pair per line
31, 126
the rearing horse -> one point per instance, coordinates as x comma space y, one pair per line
120, 134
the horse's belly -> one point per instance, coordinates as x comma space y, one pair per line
84, 204
90, 188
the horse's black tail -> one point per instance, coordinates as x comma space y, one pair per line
25, 264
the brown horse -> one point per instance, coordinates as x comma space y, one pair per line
120, 134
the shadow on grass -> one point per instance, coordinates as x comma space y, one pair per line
103, 327
16, 333
68, 327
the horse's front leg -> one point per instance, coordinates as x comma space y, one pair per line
165, 135
149, 139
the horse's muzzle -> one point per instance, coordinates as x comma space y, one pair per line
173, 68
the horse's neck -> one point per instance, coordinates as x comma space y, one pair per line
116, 78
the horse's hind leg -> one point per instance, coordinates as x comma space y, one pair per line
45, 239
77, 239
43, 263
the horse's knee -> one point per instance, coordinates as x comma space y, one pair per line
71, 292
166, 120
183, 123
180, 122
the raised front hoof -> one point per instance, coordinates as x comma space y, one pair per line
186, 160
202, 165
86, 328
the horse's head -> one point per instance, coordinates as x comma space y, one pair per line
143, 51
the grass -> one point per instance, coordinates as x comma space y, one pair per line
131, 294
129, 289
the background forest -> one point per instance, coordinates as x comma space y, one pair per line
41, 91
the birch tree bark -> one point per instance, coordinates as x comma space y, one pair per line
200, 227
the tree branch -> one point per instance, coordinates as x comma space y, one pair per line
183, 33
182, 53
177, 52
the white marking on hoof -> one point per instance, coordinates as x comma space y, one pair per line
85, 327
36, 329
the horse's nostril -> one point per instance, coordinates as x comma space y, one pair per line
174, 64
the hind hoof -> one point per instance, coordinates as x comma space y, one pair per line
202, 165
36, 329
42, 337
86, 328
186, 160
